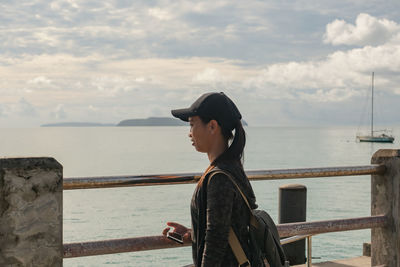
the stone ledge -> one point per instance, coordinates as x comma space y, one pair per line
30, 163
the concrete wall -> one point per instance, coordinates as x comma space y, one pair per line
30, 212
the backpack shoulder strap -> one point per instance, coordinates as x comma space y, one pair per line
232, 238
233, 181
253, 220
237, 249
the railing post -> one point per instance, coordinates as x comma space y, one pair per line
30, 212
385, 199
292, 208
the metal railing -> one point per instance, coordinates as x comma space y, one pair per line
294, 231
188, 178
135, 244
307, 230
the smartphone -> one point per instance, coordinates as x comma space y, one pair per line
175, 236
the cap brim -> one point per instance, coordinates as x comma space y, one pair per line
183, 113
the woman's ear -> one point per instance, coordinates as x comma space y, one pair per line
213, 126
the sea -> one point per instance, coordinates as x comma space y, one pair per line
101, 214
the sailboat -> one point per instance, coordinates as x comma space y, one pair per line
381, 138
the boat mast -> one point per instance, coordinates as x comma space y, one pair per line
372, 104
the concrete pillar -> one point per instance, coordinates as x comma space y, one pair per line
30, 212
385, 199
292, 208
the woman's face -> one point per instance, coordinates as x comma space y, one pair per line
199, 134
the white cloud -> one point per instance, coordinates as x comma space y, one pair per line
339, 77
25, 108
59, 112
112, 59
92, 108
161, 14
139, 86
46, 37
40, 80
210, 76
112, 86
367, 30
143, 79
63, 4
207, 6
330, 95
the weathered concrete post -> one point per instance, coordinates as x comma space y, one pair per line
293, 208
385, 199
30, 212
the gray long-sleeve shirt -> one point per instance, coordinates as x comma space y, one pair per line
216, 206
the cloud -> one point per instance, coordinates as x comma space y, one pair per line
25, 108
211, 77
115, 59
330, 95
92, 108
160, 14
367, 30
340, 76
40, 80
59, 112
122, 29
63, 4
117, 87
111, 85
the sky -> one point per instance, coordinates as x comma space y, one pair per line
284, 63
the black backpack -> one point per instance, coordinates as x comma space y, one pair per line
264, 237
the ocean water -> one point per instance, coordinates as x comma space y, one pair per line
99, 214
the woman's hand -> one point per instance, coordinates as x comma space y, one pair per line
180, 229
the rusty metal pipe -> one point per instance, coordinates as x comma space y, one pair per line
169, 179
112, 246
316, 172
328, 226
83, 249
292, 239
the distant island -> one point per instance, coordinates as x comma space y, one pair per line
77, 124
157, 121
153, 121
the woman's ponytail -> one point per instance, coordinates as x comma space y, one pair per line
236, 149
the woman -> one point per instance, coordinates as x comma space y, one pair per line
216, 204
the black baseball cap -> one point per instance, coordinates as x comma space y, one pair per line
214, 106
